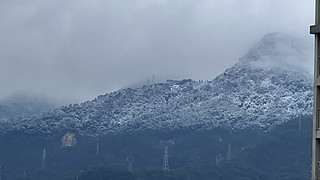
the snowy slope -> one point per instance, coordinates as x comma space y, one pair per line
262, 90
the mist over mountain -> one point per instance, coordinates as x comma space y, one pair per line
262, 90
280, 50
20, 105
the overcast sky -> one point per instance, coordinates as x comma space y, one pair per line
78, 49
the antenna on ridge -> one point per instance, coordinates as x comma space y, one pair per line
153, 77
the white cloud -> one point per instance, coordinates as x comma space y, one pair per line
79, 49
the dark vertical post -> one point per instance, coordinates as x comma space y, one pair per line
0, 171
315, 29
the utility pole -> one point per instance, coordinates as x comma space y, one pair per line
44, 155
229, 152
98, 148
315, 29
165, 166
300, 124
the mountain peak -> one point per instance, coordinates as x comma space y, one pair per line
279, 50
275, 44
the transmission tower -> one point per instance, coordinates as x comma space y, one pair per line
165, 166
165, 145
130, 162
315, 29
218, 159
44, 155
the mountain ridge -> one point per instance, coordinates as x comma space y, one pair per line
260, 91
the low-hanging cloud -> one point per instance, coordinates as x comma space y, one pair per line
78, 49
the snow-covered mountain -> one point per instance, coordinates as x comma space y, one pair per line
263, 89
